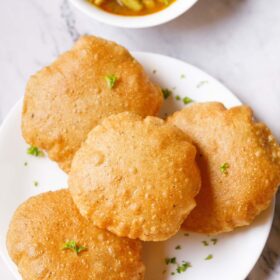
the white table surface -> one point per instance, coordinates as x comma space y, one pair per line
236, 41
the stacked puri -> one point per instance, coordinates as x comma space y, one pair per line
64, 101
141, 172
239, 161
135, 177
43, 223
131, 175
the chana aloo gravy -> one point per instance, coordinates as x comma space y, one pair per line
132, 177
132, 7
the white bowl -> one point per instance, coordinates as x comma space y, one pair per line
168, 14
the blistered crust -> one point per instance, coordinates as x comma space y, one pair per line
42, 225
233, 198
65, 100
135, 177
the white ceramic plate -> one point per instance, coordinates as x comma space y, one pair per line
234, 254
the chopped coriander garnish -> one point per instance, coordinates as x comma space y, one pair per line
170, 260
36, 184
187, 100
200, 84
214, 241
178, 97
183, 76
205, 243
209, 257
183, 267
72, 245
172, 273
111, 80
224, 168
166, 92
34, 151
178, 247
26, 163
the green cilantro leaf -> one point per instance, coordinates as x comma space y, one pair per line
166, 92
111, 81
183, 267
72, 245
187, 100
205, 243
224, 168
214, 241
34, 151
209, 257
170, 260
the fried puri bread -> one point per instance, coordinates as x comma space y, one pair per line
239, 160
49, 239
135, 177
93, 80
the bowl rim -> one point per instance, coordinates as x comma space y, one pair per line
173, 11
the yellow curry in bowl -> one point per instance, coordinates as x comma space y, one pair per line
132, 7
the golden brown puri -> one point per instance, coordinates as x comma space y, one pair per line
65, 100
135, 177
239, 161
44, 224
